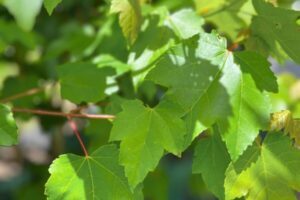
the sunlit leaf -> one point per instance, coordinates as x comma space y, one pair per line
98, 176
24, 11
129, 17
272, 176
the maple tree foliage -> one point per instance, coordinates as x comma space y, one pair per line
152, 79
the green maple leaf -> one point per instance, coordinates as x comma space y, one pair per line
218, 91
211, 160
144, 134
129, 17
275, 175
277, 25
8, 128
50, 5
188, 76
98, 176
83, 82
248, 116
24, 11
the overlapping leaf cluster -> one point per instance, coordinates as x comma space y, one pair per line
207, 93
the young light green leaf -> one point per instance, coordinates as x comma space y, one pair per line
275, 175
259, 68
277, 25
236, 182
8, 127
185, 23
129, 17
98, 176
144, 134
248, 116
50, 5
83, 82
211, 161
24, 11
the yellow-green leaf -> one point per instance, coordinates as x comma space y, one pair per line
275, 175
129, 17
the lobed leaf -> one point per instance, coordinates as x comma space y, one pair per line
98, 176
275, 175
219, 91
277, 25
144, 134
248, 115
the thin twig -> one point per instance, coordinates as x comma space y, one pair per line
22, 94
61, 114
76, 132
